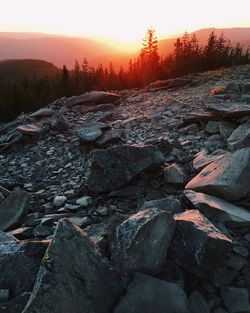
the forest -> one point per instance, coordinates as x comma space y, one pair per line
23, 89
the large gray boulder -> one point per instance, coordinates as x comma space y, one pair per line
240, 137
150, 295
13, 210
227, 177
217, 209
198, 246
230, 110
142, 241
116, 166
74, 276
93, 98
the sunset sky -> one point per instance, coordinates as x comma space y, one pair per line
121, 20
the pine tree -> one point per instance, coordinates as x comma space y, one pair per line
149, 58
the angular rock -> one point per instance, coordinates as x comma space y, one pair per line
170, 83
213, 127
142, 241
23, 233
148, 294
42, 113
93, 98
172, 206
89, 133
13, 210
110, 136
240, 137
173, 174
30, 129
227, 177
197, 245
19, 265
230, 110
116, 166
74, 276
59, 201
236, 300
226, 129
217, 209
202, 159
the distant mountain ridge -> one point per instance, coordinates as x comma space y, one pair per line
236, 35
61, 50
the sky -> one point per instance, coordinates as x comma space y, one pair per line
121, 20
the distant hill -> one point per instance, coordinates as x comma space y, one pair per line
236, 35
16, 70
56, 49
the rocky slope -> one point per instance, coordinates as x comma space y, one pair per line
134, 201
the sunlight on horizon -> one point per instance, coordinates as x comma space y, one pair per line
121, 23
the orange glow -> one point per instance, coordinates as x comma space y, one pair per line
121, 23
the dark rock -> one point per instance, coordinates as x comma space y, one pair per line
197, 245
15, 305
109, 136
4, 295
23, 233
197, 303
213, 127
174, 174
92, 98
13, 210
142, 241
162, 143
217, 209
19, 264
116, 166
74, 276
148, 294
227, 177
42, 231
236, 300
226, 129
172, 206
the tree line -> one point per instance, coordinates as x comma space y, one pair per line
188, 56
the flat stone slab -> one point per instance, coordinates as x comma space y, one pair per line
13, 210
198, 246
217, 209
74, 276
227, 177
148, 294
30, 129
230, 110
202, 159
93, 97
142, 241
118, 165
